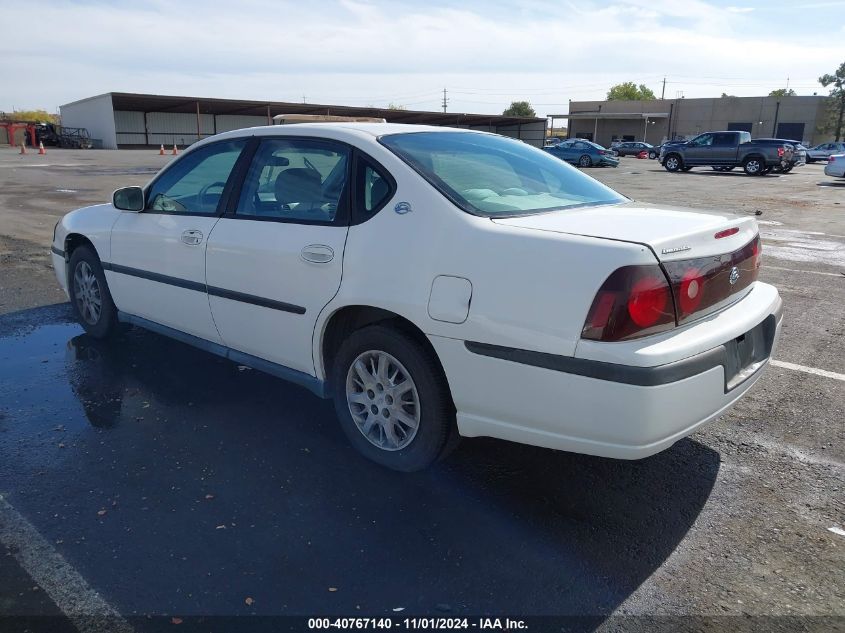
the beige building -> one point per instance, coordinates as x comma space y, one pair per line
658, 120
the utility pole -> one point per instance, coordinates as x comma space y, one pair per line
787, 84
445, 100
663, 92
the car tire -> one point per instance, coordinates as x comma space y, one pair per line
585, 161
652, 155
365, 400
89, 294
672, 163
753, 166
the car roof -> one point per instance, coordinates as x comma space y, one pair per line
370, 130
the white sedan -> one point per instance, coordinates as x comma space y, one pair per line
835, 166
434, 283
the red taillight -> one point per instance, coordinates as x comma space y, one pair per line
781, 151
647, 301
702, 285
640, 300
632, 302
830, 159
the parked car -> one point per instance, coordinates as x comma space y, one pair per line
799, 154
727, 149
434, 282
654, 152
824, 150
583, 153
631, 148
835, 165
552, 142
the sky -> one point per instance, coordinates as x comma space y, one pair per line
376, 52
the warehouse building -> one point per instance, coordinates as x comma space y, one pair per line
124, 120
658, 120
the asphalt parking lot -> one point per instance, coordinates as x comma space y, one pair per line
145, 478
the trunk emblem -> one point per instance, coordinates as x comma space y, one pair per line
676, 249
734, 275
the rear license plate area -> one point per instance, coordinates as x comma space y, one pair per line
746, 353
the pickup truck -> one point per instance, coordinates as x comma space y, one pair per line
727, 149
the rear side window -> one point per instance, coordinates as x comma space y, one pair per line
195, 183
300, 180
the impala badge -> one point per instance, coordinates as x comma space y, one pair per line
676, 249
402, 208
734, 275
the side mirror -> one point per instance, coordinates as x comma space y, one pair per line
128, 199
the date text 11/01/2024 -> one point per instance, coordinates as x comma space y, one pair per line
431, 624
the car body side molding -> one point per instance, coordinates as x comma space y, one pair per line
201, 287
314, 385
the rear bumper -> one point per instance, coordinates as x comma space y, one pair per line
607, 409
835, 169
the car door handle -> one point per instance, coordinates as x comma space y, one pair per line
192, 237
317, 254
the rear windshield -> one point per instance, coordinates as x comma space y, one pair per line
494, 176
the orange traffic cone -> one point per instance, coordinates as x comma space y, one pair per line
175, 151
41, 150
23, 147
161, 151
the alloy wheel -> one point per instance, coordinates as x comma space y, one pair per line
87, 294
383, 400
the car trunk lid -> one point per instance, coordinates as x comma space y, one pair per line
671, 233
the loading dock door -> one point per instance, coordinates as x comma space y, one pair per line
791, 131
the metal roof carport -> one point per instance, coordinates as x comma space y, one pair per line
151, 120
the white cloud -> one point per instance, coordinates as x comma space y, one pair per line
360, 52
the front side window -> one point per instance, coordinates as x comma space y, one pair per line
194, 184
705, 140
295, 179
494, 176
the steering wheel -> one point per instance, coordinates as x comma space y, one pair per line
204, 191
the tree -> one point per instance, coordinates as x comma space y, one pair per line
396, 106
519, 108
837, 96
782, 92
31, 115
725, 95
629, 91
